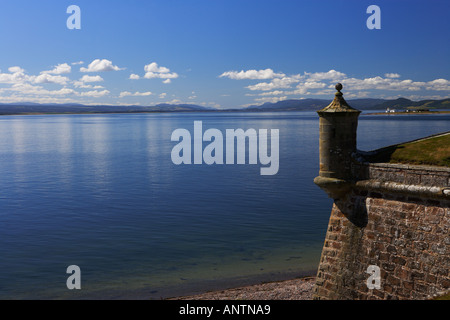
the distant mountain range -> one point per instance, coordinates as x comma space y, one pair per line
286, 105
36, 108
360, 104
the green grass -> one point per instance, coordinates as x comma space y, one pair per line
433, 151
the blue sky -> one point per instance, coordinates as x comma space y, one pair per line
222, 54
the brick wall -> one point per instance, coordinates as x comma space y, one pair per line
406, 234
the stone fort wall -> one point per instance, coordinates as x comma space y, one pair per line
395, 217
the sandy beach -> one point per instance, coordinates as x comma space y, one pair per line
296, 289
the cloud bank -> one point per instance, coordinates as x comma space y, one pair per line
280, 86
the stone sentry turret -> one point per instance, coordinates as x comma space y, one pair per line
387, 216
338, 124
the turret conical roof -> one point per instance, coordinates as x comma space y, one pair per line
338, 104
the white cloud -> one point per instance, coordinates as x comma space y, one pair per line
270, 99
99, 66
136, 94
26, 89
87, 78
379, 83
252, 74
305, 87
438, 85
16, 77
94, 93
153, 67
329, 75
125, 94
277, 83
152, 75
77, 63
167, 81
392, 75
48, 78
59, 69
134, 76
152, 71
312, 85
162, 95
16, 69
50, 97
23, 87
357, 94
322, 83
82, 85
271, 93
63, 91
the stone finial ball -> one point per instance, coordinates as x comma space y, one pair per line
339, 86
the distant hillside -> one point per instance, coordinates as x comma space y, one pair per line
314, 104
291, 105
403, 104
286, 105
361, 104
27, 108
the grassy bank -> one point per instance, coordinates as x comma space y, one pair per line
431, 151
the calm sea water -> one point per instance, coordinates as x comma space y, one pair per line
101, 192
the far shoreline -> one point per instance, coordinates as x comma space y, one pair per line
407, 113
209, 111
